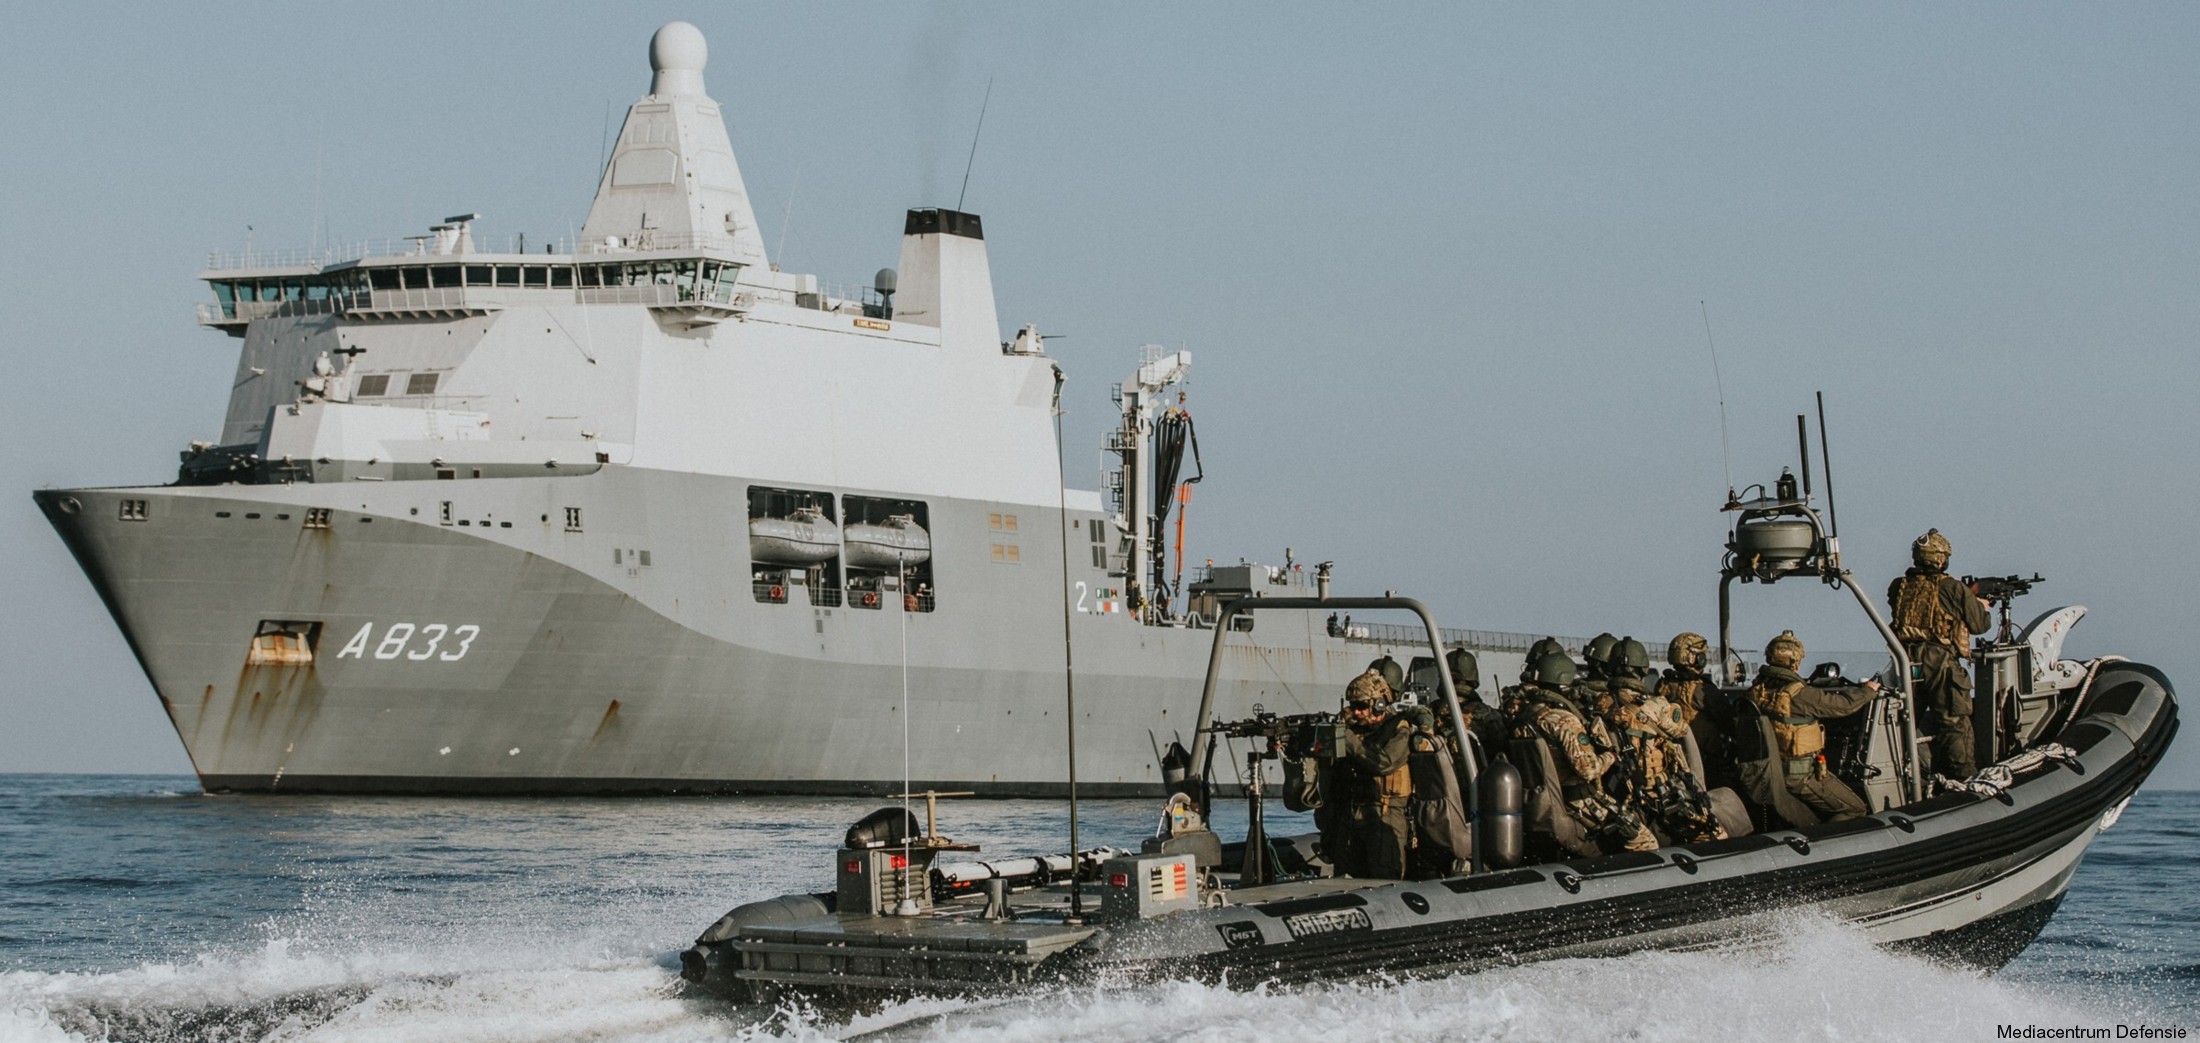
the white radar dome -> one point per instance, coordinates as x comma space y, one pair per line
676, 55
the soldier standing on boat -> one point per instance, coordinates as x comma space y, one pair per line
1371, 779
1935, 616
1484, 721
1795, 710
1649, 730
1581, 751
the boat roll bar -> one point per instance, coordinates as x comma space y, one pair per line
1469, 770
1781, 535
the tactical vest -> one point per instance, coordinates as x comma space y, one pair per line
1685, 693
1799, 737
1921, 614
1392, 787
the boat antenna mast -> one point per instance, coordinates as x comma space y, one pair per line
1069, 657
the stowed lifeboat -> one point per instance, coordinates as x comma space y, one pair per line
884, 545
803, 538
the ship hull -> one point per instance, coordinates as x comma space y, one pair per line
470, 640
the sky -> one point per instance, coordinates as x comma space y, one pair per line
1444, 270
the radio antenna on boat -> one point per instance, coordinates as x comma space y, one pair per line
1825, 466
1726, 451
1802, 449
1069, 660
973, 161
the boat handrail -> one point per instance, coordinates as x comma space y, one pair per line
1203, 734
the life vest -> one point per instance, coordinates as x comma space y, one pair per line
1922, 615
1799, 736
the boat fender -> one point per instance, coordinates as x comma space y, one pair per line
708, 962
1732, 812
1504, 833
886, 827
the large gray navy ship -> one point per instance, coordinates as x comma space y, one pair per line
644, 513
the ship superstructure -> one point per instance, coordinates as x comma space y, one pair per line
640, 512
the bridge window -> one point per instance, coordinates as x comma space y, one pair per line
443, 276
385, 279
480, 275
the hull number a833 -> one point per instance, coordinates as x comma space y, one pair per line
440, 641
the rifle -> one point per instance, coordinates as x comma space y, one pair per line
1318, 735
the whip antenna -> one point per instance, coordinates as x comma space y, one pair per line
1069, 672
1726, 451
973, 161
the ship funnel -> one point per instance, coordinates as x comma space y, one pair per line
945, 280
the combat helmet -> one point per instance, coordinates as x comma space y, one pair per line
1931, 550
1393, 674
1687, 650
1536, 652
1553, 671
1630, 658
1465, 672
1785, 650
1598, 654
1368, 689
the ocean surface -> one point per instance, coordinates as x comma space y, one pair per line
136, 908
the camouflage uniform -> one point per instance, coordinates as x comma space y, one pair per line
1665, 788
1795, 709
1369, 783
1935, 616
1682, 684
1583, 755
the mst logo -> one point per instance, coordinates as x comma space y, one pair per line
1332, 921
1240, 934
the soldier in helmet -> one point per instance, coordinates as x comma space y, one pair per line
1484, 721
1796, 710
1935, 616
1393, 674
1593, 686
1683, 681
1650, 734
1581, 751
1370, 780
1512, 699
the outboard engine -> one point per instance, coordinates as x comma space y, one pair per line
1503, 832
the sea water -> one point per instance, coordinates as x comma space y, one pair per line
136, 908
